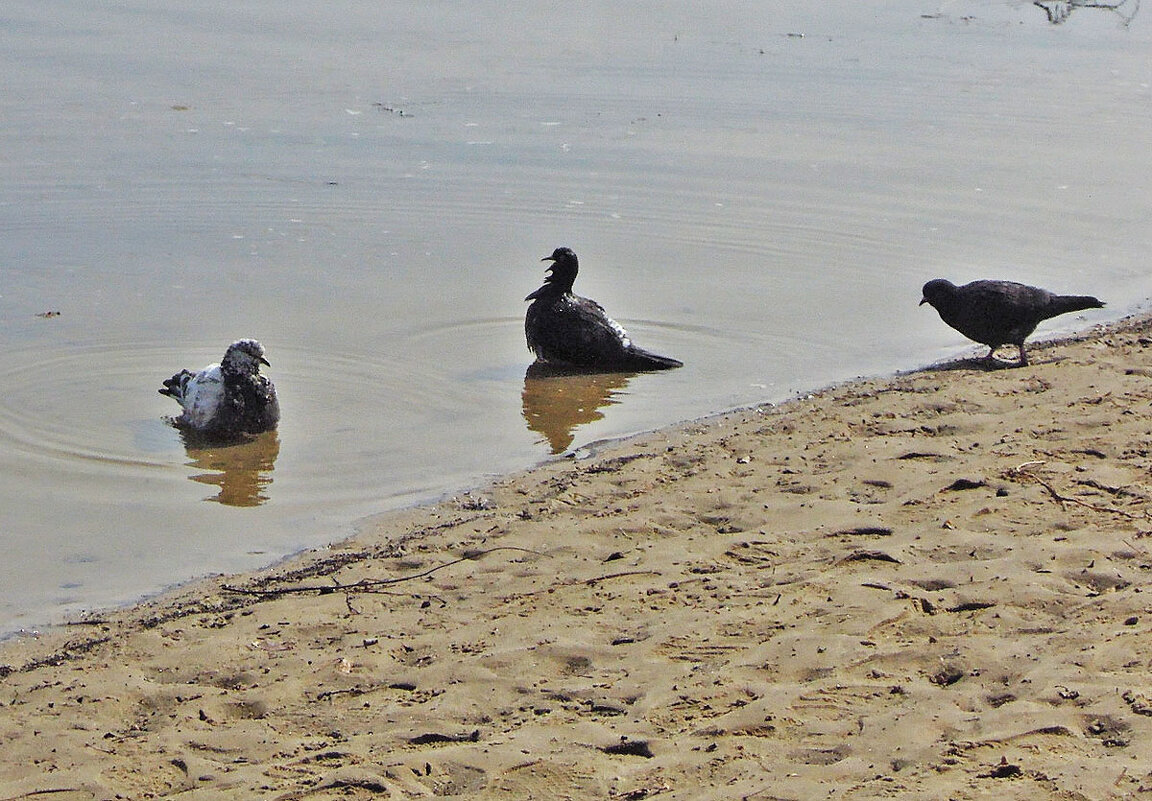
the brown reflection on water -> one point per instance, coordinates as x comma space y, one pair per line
556, 402
241, 470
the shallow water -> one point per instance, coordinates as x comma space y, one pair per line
759, 191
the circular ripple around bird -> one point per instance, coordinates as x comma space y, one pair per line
95, 409
84, 405
355, 427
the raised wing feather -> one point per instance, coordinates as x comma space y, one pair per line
203, 395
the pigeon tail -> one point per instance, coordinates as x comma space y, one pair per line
640, 359
176, 386
1062, 304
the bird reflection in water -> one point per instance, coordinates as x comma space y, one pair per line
556, 401
242, 469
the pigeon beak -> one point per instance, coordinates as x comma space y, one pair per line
265, 362
922, 301
548, 258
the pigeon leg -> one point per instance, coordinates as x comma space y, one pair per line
1023, 356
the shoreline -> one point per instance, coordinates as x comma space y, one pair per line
420, 499
933, 582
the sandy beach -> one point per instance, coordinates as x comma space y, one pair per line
933, 586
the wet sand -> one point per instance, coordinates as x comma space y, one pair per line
934, 585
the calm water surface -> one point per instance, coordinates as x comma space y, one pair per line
759, 190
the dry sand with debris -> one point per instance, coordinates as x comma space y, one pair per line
934, 586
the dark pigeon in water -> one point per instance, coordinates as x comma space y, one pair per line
997, 313
227, 400
569, 331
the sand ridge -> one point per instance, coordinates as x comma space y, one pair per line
935, 585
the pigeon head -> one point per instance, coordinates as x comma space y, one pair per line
564, 268
243, 357
937, 292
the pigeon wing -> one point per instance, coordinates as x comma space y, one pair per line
577, 331
203, 396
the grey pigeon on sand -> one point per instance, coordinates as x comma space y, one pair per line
569, 331
997, 313
227, 400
